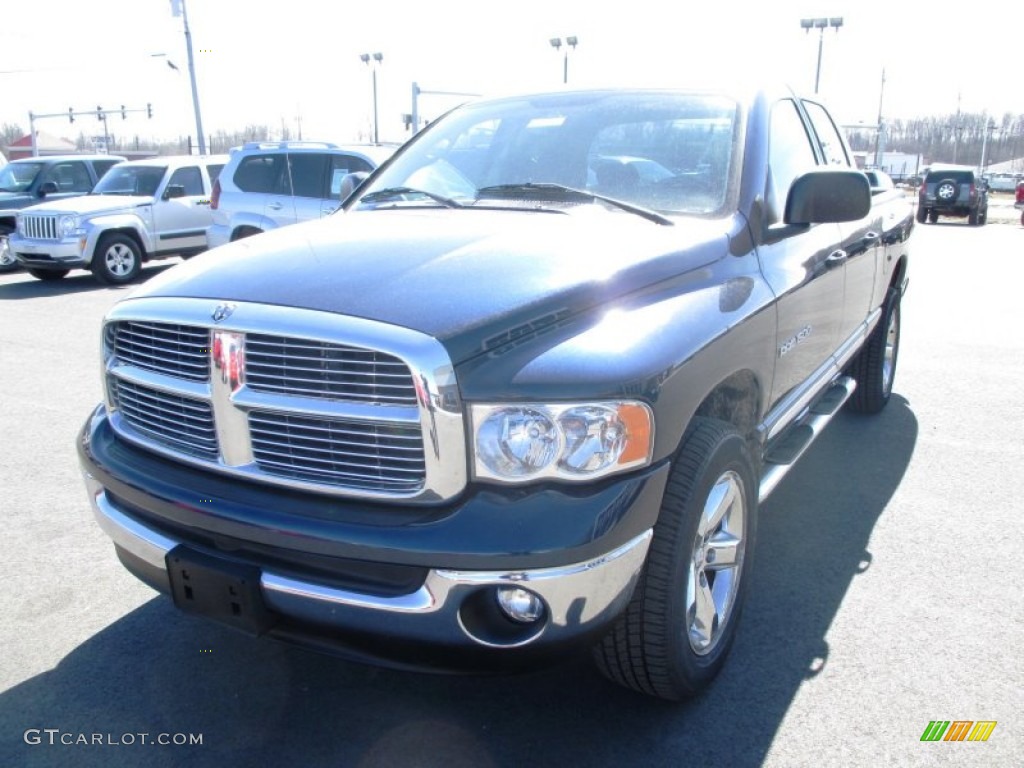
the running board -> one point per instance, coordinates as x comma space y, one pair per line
790, 446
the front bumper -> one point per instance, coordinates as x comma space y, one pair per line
68, 253
444, 616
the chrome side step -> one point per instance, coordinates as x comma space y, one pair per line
784, 452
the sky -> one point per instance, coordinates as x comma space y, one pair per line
296, 64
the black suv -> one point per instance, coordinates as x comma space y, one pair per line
952, 192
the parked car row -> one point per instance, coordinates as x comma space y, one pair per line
109, 215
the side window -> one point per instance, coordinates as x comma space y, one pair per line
828, 135
190, 178
342, 166
309, 171
261, 173
70, 177
790, 153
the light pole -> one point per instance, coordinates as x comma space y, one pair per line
178, 9
373, 60
570, 42
821, 24
989, 129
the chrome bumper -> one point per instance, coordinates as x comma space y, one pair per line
578, 598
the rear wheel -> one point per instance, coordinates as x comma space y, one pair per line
48, 274
118, 259
933, 217
676, 632
972, 217
874, 368
922, 215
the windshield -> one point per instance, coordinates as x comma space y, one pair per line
131, 180
17, 177
667, 152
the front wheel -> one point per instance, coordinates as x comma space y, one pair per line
874, 368
676, 632
118, 259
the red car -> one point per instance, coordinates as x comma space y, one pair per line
1019, 203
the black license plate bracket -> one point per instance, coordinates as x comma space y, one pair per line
220, 589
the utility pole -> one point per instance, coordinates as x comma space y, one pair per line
880, 134
178, 8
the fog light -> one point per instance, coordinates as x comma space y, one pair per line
520, 605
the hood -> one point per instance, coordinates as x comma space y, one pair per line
10, 201
465, 277
91, 204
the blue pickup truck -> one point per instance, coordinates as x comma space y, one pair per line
521, 396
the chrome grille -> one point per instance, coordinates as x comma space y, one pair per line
175, 350
179, 423
319, 369
287, 396
338, 452
38, 226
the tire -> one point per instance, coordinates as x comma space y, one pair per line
922, 215
972, 217
933, 217
49, 275
7, 261
874, 368
660, 645
947, 191
117, 260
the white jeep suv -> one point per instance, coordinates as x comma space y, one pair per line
140, 210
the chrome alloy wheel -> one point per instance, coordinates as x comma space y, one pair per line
120, 260
716, 563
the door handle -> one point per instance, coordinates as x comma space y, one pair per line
835, 258
275, 206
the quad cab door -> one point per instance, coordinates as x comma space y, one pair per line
803, 264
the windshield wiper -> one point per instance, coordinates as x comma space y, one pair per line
394, 192
549, 191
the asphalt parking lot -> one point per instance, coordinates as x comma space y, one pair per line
886, 586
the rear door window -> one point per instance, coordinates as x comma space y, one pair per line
262, 173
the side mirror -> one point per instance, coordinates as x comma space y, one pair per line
828, 196
173, 191
48, 188
350, 183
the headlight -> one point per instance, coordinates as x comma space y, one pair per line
66, 225
565, 441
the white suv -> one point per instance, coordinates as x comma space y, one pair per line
139, 210
269, 185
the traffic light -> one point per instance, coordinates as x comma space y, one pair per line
149, 110
99, 113
123, 114
71, 114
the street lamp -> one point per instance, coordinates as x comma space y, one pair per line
570, 42
373, 60
820, 24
